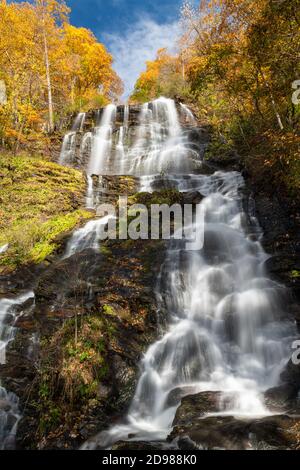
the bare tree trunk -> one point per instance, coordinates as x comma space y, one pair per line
76, 327
49, 87
19, 137
47, 66
272, 101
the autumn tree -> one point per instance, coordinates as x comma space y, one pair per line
49, 69
163, 76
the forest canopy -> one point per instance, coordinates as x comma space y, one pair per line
238, 65
48, 69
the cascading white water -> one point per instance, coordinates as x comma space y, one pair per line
78, 122
126, 116
69, 142
9, 403
190, 118
86, 140
225, 330
160, 146
68, 148
121, 150
102, 142
87, 237
89, 200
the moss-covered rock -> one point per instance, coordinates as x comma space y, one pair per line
39, 201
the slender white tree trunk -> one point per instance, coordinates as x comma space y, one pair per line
279, 120
49, 86
47, 66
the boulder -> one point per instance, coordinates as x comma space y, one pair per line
193, 429
138, 445
278, 432
194, 407
192, 197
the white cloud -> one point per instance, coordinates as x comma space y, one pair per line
138, 44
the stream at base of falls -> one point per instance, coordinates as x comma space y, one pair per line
225, 328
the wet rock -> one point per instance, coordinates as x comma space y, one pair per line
291, 375
10, 443
198, 135
282, 265
286, 395
109, 286
5, 405
193, 429
192, 197
139, 445
282, 399
194, 407
230, 433
232, 161
176, 395
278, 215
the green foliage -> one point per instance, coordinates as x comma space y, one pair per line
236, 65
39, 201
164, 76
295, 274
166, 196
219, 148
108, 310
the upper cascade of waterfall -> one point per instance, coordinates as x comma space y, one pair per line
78, 122
139, 140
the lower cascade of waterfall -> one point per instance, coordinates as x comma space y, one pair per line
225, 330
9, 403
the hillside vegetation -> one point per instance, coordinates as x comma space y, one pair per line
238, 68
39, 202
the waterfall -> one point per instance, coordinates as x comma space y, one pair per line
89, 202
225, 331
158, 146
102, 142
190, 118
87, 237
9, 403
161, 146
86, 140
121, 151
126, 116
68, 148
224, 327
78, 122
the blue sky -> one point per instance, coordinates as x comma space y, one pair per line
132, 30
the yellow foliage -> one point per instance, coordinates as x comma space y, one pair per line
80, 67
